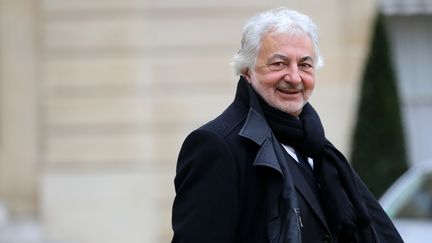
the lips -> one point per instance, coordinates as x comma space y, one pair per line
289, 91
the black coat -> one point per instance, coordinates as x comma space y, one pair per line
229, 182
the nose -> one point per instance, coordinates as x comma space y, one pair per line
292, 74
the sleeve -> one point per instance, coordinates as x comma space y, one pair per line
382, 228
205, 207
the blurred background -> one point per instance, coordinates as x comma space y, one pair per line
96, 97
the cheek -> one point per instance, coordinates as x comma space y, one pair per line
270, 79
309, 83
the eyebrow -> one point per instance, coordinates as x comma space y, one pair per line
279, 56
306, 58
282, 57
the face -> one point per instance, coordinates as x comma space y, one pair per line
284, 73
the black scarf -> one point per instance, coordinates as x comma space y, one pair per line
343, 205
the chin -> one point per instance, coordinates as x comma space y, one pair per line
293, 109
290, 107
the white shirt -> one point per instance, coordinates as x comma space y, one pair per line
290, 150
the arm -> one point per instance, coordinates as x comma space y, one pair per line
206, 204
382, 227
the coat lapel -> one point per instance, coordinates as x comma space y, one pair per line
257, 130
304, 189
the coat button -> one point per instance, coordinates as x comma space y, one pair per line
326, 238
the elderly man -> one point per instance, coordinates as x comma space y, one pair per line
263, 170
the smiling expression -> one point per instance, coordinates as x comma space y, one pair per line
284, 72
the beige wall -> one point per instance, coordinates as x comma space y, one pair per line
18, 106
107, 90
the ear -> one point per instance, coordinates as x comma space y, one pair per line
247, 74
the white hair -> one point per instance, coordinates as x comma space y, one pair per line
279, 20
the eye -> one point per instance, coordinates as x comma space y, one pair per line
306, 66
279, 65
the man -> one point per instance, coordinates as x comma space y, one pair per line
263, 170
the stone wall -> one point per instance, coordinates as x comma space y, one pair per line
112, 87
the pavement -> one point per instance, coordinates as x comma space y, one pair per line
22, 230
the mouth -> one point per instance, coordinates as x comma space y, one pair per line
289, 91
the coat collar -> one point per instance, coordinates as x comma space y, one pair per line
255, 127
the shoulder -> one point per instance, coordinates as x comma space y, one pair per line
217, 139
209, 153
227, 123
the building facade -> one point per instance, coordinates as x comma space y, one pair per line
96, 97
410, 28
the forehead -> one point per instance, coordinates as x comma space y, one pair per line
298, 43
